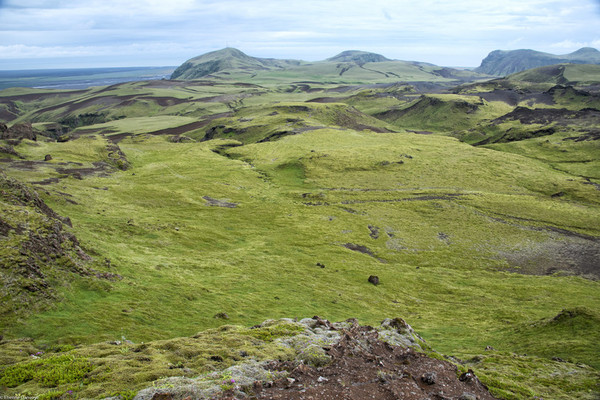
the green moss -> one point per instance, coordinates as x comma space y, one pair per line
272, 332
511, 376
47, 372
55, 394
124, 394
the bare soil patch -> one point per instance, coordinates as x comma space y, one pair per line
365, 367
571, 255
545, 116
514, 97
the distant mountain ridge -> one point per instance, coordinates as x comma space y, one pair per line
506, 62
230, 63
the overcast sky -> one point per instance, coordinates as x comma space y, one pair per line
113, 33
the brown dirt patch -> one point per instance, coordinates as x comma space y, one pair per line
328, 100
562, 256
514, 97
219, 203
363, 249
364, 367
545, 116
420, 132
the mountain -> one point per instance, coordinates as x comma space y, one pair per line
228, 58
351, 66
359, 57
501, 62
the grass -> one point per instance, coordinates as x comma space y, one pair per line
444, 112
122, 367
156, 197
443, 223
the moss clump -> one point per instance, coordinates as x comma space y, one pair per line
47, 372
55, 394
511, 376
272, 332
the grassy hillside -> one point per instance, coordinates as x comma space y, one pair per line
503, 63
355, 67
232, 203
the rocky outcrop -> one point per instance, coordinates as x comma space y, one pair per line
42, 254
17, 131
342, 360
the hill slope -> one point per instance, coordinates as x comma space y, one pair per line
228, 58
358, 57
350, 66
501, 62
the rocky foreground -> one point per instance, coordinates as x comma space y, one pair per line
335, 361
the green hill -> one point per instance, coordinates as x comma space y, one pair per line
359, 57
228, 58
564, 74
351, 66
502, 62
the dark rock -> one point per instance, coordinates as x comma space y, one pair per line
162, 396
320, 265
374, 279
5, 227
360, 248
48, 157
429, 378
374, 232
18, 131
54, 131
140, 348
221, 315
443, 237
117, 157
9, 149
467, 376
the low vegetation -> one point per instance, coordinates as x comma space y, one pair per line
173, 207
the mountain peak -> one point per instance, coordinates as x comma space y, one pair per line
357, 56
586, 50
214, 61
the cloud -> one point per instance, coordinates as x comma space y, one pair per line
306, 29
21, 51
568, 44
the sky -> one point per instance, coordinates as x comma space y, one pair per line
43, 34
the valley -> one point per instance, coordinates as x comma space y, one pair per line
138, 214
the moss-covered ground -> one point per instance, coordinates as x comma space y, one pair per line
293, 226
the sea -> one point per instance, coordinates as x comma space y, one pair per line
80, 78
